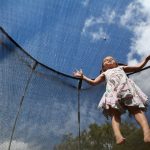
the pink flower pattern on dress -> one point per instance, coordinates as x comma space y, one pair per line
121, 90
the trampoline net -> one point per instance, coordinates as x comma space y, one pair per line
42, 109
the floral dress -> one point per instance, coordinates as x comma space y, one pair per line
121, 92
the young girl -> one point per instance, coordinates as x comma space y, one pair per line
121, 94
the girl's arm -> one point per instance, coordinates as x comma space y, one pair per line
137, 67
96, 81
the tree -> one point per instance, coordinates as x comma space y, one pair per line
100, 137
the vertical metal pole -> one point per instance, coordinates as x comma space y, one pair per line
22, 98
79, 88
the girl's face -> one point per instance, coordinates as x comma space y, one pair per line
109, 63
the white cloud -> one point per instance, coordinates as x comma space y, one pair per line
100, 34
88, 115
141, 40
131, 15
91, 21
142, 79
17, 145
110, 15
70, 120
85, 2
93, 25
137, 19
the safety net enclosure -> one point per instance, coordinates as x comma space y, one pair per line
42, 102
40, 108
75, 32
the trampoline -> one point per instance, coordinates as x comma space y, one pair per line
41, 44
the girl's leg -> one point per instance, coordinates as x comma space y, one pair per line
116, 120
142, 120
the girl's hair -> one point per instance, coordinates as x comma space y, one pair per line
118, 64
103, 68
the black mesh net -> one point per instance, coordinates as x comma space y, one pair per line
42, 109
38, 105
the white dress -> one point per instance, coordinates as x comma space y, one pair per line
121, 92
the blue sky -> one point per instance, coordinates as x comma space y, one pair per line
71, 34
58, 33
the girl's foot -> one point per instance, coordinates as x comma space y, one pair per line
120, 140
147, 138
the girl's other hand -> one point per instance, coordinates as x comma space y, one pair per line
78, 73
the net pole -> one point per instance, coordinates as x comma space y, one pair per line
21, 102
79, 89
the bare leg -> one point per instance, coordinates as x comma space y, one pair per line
116, 120
142, 120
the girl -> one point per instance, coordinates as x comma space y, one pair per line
121, 94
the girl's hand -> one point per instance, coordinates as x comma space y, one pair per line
78, 73
148, 58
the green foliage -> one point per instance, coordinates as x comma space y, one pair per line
134, 141
100, 137
68, 143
